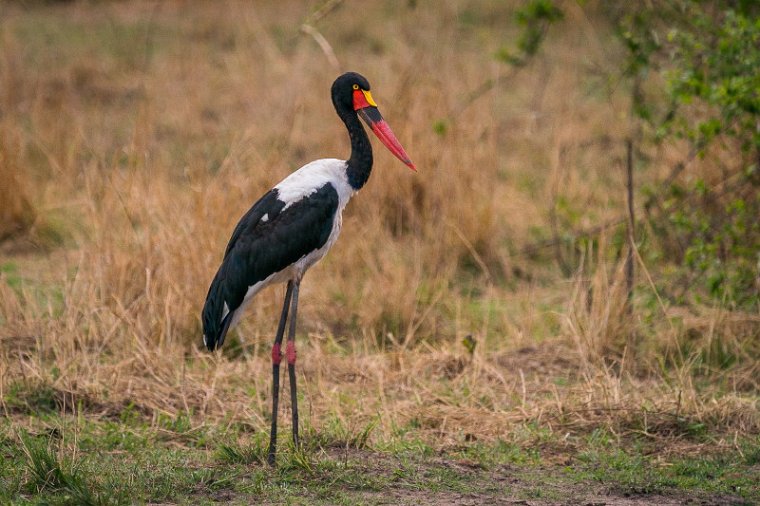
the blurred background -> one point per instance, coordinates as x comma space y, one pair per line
581, 236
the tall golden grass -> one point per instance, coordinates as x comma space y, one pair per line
142, 132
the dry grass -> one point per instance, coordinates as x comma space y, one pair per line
143, 131
16, 213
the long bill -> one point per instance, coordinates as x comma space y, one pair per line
367, 110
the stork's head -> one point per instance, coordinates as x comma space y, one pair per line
350, 92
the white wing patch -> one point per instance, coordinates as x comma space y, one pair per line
311, 177
265, 218
225, 310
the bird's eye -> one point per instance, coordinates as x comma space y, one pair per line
356, 86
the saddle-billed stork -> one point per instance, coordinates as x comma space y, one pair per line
290, 229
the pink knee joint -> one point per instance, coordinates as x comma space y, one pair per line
276, 354
290, 352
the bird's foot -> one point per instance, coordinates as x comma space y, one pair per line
271, 458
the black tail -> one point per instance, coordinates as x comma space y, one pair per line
214, 327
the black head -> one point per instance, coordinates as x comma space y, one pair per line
343, 90
351, 96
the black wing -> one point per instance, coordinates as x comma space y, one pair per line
268, 204
259, 248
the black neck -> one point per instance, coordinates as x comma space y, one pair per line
360, 163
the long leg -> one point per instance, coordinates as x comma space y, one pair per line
290, 353
276, 358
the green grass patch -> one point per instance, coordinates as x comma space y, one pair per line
48, 471
639, 470
31, 397
74, 460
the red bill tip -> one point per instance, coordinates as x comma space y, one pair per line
383, 132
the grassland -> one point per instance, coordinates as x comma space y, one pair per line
132, 137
